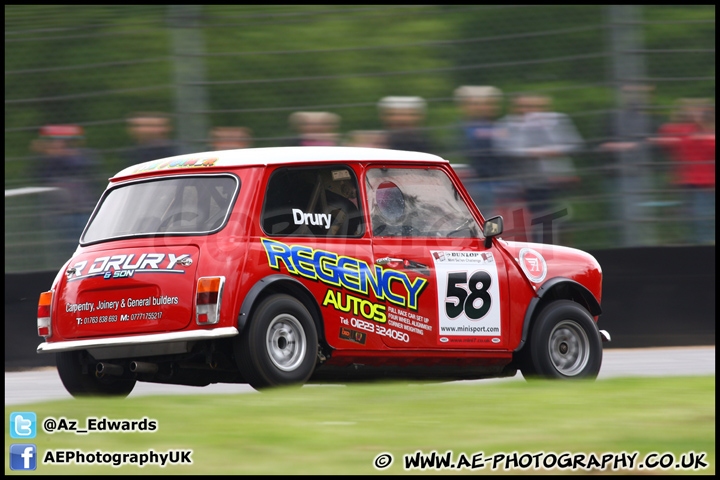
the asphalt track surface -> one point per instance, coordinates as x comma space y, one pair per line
42, 385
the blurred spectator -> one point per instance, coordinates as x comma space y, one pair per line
403, 117
690, 142
685, 120
230, 138
151, 133
365, 138
629, 129
539, 141
703, 200
480, 107
315, 129
631, 178
635, 120
73, 170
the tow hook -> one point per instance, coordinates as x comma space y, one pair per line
321, 357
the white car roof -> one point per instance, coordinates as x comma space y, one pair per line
278, 155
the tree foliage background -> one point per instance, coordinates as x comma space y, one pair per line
253, 65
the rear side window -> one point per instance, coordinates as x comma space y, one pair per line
183, 205
313, 202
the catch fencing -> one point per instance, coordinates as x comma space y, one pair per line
621, 74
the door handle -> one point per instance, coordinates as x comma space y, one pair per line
386, 260
405, 262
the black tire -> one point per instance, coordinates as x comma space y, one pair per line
279, 345
564, 343
79, 384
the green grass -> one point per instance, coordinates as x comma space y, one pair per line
341, 429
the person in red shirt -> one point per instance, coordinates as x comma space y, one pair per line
690, 142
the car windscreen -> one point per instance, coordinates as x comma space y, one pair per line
182, 205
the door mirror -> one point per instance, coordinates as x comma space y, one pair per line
492, 228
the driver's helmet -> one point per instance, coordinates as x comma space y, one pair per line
390, 201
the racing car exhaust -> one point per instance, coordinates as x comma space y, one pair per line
143, 367
108, 369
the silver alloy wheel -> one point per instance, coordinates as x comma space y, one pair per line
286, 342
569, 348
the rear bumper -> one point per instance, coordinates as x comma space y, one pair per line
185, 336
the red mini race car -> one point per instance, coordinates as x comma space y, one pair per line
276, 266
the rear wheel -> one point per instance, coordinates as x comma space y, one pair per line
279, 345
564, 343
80, 379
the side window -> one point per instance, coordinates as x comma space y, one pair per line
312, 201
417, 202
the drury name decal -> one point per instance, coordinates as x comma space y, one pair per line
124, 266
302, 218
345, 272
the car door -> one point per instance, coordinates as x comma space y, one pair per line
313, 230
444, 288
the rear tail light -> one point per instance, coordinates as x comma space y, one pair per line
43, 316
207, 302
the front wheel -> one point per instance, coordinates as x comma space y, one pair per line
77, 373
564, 343
279, 346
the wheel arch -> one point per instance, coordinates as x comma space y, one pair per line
558, 288
275, 284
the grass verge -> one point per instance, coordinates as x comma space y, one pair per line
341, 429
